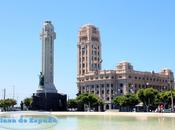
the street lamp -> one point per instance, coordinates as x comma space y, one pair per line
4, 91
171, 88
119, 91
132, 88
147, 85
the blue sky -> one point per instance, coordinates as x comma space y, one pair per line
139, 31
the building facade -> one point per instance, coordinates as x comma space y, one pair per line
107, 84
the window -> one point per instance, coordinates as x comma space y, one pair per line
139, 86
102, 91
120, 76
112, 91
83, 51
129, 85
107, 98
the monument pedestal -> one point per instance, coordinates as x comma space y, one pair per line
49, 102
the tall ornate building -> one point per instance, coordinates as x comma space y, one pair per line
107, 84
89, 50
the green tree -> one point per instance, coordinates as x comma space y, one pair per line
140, 95
72, 103
7, 104
129, 101
165, 98
120, 101
1, 103
90, 100
28, 102
147, 96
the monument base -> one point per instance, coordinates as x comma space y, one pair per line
49, 102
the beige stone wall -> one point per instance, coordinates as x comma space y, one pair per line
89, 49
107, 84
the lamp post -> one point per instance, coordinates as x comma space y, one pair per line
4, 90
119, 91
132, 89
147, 85
172, 104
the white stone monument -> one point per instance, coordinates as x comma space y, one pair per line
46, 98
46, 83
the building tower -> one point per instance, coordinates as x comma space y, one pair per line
89, 50
47, 36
